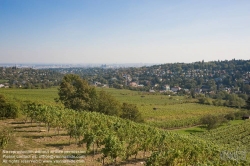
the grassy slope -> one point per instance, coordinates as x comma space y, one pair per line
202, 129
45, 96
158, 110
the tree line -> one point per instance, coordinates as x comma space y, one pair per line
216, 75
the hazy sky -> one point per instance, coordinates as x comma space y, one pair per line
123, 31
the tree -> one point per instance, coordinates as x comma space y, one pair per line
248, 103
108, 105
131, 112
75, 93
8, 109
205, 100
212, 122
192, 93
235, 101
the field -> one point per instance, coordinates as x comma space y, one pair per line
158, 110
97, 139
237, 135
132, 143
45, 96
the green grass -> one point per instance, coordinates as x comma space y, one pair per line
157, 110
45, 96
233, 122
200, 129
142, 98
167, 112
181, 115
190, 130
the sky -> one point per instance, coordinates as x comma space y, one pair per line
123, 31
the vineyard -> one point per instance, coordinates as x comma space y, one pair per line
237, 135
157, 110
111, 140
120, 140
180, 115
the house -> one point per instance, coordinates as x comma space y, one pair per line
245, 117
197, 90
247, 82
175, 89
205, 88
227, 89
166, 87
141, 85
133, 84
151, 90
97, 84
105, 86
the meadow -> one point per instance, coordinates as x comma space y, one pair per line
45, 96
158, 110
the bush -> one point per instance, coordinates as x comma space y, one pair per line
131, 112
7, 109
243, 96
212, 122
235, 101
108, 105
238, 115
205, 100
230, 116
218, 102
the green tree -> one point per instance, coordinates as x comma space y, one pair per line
235, 101
75, 93
108, 105
131, 112
205, 100
212, 122
8, 109
248, 103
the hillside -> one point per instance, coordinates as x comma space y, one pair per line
117, 140
157, 110
232, 76
101, 139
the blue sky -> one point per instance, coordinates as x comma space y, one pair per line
123, 31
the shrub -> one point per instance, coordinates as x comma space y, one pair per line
131, 112
212, 121
7, 109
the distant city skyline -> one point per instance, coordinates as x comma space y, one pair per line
74, 65
119, 32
